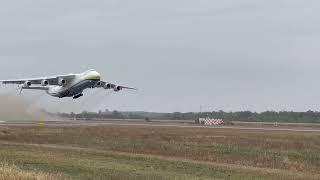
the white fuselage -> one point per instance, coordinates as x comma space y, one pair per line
67, 85
75, 85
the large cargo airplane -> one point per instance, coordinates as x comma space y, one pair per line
70, 85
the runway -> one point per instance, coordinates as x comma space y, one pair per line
93, 123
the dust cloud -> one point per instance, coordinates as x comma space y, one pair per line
14, 107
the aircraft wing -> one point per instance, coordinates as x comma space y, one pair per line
53, 80
115, 87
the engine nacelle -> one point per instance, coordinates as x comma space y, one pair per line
117, 88
44, 83
62, 82
27, 84
98, 84
108, 86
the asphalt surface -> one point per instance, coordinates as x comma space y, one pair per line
147, 124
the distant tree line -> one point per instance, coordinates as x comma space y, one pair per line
248, 116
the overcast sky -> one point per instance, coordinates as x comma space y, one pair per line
231, 55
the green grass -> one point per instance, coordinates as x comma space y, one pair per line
86, 164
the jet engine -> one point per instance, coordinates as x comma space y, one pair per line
108, 86
98, 84
27, 84
44, 82
117, 88
62, 82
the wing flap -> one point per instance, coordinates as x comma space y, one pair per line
36, 88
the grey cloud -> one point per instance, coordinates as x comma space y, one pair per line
231, 55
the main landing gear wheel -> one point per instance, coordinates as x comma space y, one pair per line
77, 96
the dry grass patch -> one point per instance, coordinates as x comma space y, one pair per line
11, 172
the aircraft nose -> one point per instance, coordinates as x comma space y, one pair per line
93, 75
98, 75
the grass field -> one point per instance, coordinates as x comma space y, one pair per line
12, 172
112, 152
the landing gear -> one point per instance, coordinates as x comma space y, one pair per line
77, 96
